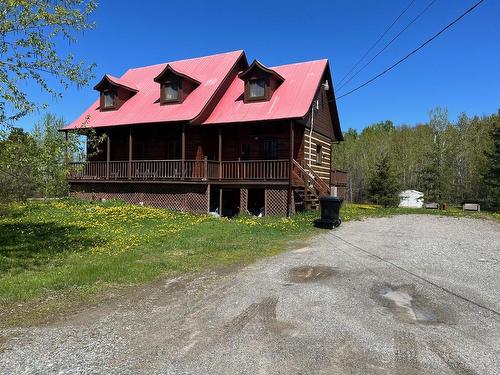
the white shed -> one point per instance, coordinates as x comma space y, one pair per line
411, 198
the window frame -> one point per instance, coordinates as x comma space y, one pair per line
163, 86
319, 154
248, 83
103, 105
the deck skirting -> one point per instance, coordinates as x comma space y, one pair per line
180, 197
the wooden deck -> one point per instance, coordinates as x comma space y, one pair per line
181, 170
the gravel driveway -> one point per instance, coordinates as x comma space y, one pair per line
403, 295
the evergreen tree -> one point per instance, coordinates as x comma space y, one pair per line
383, 186
429, 179
492, 176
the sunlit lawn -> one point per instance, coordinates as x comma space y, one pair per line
76, 248
54, 255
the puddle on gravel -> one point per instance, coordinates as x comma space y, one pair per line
306, 274
408, 306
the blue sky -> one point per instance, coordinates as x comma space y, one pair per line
459, 70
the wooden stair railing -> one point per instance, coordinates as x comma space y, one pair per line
322, 186
311, 178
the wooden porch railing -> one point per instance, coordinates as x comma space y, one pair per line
255, 170
198, 170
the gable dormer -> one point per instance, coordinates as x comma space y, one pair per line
260, 82
174, 85
113, 92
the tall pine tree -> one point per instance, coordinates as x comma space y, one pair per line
492, 177
383, 187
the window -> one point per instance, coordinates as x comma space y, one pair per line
174, 86
257, 88
269, 149
113, 92
260, 82
108, 99
319, 155
171, 91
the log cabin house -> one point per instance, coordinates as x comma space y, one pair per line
212, 134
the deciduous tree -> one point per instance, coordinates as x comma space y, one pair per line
31, 33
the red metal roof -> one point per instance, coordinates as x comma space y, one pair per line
144, 106
292, 99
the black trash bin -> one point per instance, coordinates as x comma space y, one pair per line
330, 212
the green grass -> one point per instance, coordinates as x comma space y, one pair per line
362, 211
56, 256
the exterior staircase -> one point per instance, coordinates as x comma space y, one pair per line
307, 199
308, 187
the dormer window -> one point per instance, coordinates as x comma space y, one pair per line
114, 92
257, 88
170, 91
260, 82
174, 85
108, 99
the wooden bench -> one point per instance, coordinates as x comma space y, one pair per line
431, 206
472, 207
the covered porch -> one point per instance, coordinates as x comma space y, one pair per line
193, 153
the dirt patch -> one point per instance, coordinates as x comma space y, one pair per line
409, 306
307, 274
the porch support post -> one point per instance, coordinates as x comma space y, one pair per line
205, 168
129, 172
220, 157
220, 201
290, 172
183, 151
108, 154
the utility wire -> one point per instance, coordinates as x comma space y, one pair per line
414, 51
389, 43
376, 42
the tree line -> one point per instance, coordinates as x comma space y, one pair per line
450, 162
34, 164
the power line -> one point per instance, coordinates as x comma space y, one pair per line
378, 40
389, 43
414, 51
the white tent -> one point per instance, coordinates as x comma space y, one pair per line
411, 198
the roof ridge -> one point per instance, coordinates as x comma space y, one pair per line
177, 61
298, 63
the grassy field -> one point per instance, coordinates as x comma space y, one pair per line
58, 255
